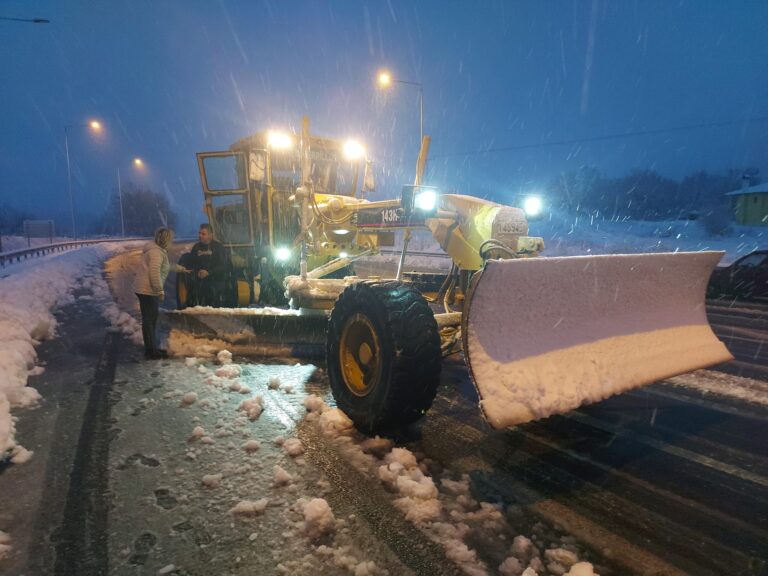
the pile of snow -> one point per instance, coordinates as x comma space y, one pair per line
566, 235
29, 295
318, 517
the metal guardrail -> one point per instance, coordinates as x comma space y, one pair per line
19, 255
16, 256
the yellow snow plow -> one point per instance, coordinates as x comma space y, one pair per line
540, 335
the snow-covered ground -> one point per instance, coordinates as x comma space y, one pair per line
440, 506
14, 243
575, 236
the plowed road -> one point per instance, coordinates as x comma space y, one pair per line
666, 480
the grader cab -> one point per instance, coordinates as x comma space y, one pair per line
539, 335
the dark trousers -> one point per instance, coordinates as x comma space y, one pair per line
206, 292
150, 306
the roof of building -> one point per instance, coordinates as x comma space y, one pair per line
756, 189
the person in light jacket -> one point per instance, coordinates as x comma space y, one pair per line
151, 274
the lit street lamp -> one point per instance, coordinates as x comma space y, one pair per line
96, 127
138, 163
385, 80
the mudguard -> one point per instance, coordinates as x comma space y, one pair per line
545, 335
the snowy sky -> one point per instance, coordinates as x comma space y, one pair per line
173, 78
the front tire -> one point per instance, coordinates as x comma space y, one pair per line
383, 355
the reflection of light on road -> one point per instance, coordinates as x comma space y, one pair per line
287, 409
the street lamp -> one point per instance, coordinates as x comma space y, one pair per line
95, 126
385, 80
138, 163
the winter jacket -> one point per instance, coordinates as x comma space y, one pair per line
210, 257
153, 270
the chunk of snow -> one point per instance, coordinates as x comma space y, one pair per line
274, 383
198, 432
314, 403
229, 371
20, 455
561, 556
166, 570
251, 446
366, 568
403, 456
189, 398
581, 569
334, 422
212, 480
318, 518
280, 476
417, 510
252, 407
293, 447
511, 567
250, 508
224, 357
523, 548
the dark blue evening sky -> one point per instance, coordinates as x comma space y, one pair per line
169, 79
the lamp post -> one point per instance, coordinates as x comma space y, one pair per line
96, 127
385, 80
138, 163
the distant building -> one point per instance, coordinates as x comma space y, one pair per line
750, 204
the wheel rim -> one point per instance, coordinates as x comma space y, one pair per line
243, 293
360, 355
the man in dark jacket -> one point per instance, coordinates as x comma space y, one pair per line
208, 261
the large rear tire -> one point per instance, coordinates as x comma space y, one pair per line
383, 355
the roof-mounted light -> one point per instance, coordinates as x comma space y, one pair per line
279, 140
353, 150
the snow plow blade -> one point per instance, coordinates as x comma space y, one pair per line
263, 331
543, 336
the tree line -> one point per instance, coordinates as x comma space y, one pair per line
143, 211
646, 194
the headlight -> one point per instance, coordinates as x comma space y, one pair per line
532, 205
425, 200
279, 140
353, 150
282, 254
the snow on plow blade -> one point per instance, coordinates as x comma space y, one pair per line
265, 331
545, 335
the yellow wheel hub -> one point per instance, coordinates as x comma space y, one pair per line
243, 293
360, 355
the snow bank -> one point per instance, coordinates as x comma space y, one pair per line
29, 295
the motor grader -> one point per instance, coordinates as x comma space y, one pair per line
539, 335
